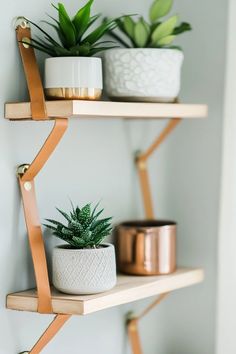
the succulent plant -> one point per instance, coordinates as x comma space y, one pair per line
73, 38
153, 34
83, 229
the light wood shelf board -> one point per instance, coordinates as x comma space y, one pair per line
128, 289
107, 109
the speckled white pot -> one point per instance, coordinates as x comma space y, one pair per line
143, 74
84, 271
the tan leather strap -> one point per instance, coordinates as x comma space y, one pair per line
134, 338
132, 325
36, 246
50, 332
35, 87
47, 149
152, 305
32, 218
145, 189
141, 163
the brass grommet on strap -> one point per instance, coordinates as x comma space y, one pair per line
22, 169
20, 21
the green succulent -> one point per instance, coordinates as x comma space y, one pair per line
152, 34
83, 229
73, 38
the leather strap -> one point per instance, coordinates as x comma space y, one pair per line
145, 189
134, 336
141, 163
35, 87
132, 325
47, 149
36, 246
32, 218
50, 332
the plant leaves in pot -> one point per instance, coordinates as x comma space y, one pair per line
72, 72
148, 68
84, 265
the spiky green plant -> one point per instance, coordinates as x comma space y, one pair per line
83, 228
152, 34
73, 38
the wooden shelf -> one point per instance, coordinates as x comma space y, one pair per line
106, 109
128, 289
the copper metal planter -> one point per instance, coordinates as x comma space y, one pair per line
146, 247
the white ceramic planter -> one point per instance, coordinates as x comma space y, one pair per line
73, 78
84, 271
151, 75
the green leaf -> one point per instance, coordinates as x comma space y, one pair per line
119, 39
160, 8
66, 216
84, 213
140, 34
129, 26
183, 27
99, 32
164, 29
66, 26
81, 19
166, 40
41, 30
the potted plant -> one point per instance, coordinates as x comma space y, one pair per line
149, 66
84, 265
72, 72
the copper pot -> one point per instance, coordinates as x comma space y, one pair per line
146, 247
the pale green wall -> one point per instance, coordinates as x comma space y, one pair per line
94, 161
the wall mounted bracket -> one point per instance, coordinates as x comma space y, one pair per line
27, 174
132, 325
141, 163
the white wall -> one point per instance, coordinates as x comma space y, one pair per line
226, 321
185, 176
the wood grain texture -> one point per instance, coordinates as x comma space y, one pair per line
128, 289
107, 109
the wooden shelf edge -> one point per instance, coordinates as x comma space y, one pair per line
128, 289
107, 109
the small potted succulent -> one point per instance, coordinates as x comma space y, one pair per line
148, 68
72, 72
84, 265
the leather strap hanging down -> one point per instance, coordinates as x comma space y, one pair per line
35, 87
141, 163
26, 180
36, 246
132, 325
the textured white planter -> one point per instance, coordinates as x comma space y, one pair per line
84, 271
151, 75
73, 78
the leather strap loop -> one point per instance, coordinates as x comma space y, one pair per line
35, 87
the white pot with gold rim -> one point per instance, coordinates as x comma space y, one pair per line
73, 78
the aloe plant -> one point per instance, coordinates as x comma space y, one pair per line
72, 34
156, 33
83, 228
